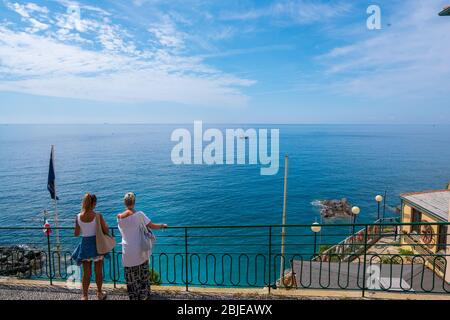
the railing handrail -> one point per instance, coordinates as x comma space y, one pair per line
251, 226
379, 223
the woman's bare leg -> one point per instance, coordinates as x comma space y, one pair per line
87, 270
98, 266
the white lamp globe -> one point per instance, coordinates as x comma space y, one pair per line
356, 210
316, 227
379, 198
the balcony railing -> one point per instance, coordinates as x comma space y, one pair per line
357, 242
246, 256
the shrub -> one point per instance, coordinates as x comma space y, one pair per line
405, 252
154, 278
390, 260
324, 248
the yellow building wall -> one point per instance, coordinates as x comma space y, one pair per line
407, 217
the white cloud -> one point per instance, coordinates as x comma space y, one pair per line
292, 11
47, 65
166, 33
28, 55
111, 39
26, 12
36, 8
21, 10
37, 26
25, 9
408, 59
82, 6
136, 86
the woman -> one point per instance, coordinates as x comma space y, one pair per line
86, 252
134, 260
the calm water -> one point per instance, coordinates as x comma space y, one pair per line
326, 161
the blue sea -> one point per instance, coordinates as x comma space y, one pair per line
325, 162
355, 162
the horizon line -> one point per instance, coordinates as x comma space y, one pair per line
222, 123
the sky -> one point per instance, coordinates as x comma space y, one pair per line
229, 61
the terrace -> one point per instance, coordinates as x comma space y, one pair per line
248, 257
359, 259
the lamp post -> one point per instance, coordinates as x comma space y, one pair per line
378, 199
355, 211
316, 228
283, 218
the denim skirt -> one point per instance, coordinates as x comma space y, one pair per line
86, 251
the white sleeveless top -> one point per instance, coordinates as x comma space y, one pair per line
87, 228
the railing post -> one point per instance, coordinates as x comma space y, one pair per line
114, 261
365, 258
186, 254
270, 258
49, 260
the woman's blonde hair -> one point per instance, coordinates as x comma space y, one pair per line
89, 201
129, 199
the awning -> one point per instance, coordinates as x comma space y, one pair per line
445, 12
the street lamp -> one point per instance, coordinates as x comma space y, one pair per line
378, 199
316, 228
355, 211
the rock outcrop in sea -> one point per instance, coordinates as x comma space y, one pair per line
334, 208
20, 261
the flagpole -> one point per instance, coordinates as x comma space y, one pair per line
286, 161
58, 246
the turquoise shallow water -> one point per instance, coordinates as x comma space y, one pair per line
326, 161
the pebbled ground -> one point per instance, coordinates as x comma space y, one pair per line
47, 292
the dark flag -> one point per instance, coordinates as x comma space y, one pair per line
51, 178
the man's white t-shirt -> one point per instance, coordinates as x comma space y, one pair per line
131, 240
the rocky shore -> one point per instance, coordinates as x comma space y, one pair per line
20, 261
334, 208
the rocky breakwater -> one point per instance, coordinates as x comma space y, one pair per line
20, 261
334, 208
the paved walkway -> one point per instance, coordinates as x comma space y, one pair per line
33, 292
384, 246
24, 291
11, 289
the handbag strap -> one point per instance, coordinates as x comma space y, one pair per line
98, 224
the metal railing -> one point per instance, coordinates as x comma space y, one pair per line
357, 242
380, 259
